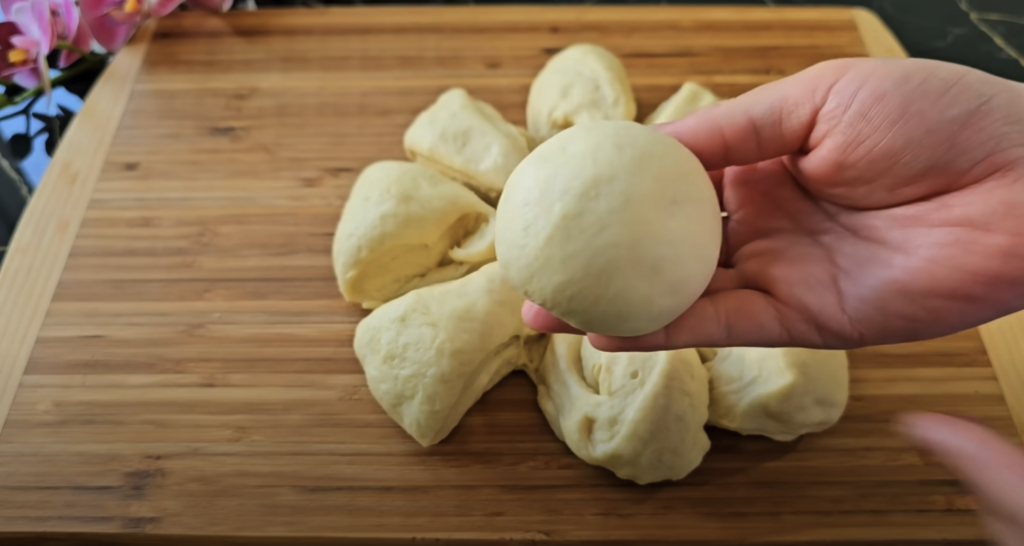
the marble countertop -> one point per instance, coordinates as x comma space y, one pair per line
984, 34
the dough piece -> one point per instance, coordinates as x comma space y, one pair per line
778, 393
431, 354
688, 99
611, 226
468, 140
581, 83
707, 355
405, 226
640, 415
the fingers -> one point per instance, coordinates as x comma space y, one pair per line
988, 465
716, 179
539, 320
724, 279
770, 121
727, 318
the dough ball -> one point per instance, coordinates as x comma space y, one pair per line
610, 226
581, 83
687, 100
467, 140
640, 415
778, 393
405, 226
430, 354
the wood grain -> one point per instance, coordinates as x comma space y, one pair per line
194, 379
36, 257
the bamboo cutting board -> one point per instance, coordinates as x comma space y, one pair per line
175, 359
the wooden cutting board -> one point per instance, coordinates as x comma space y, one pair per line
175, 359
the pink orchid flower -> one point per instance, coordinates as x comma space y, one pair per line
65, 20
113, 22
82, 40
24, 46
214, 6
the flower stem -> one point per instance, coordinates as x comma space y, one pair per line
72, 47
90, 61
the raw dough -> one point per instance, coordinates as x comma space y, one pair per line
468, 140
640, 415
688, 99
430, 354
581, 83
611, 226
778, 393
405, 226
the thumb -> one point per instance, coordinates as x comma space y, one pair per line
991, 467
773, 120
730, 318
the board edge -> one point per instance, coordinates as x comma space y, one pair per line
43, 238
1004, 342
879, 41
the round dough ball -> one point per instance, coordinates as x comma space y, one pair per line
611, 226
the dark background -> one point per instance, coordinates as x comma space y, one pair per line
984, 34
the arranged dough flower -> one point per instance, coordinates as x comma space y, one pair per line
688, 99
405, 226
581, 83
611, 226
778, 393
431, 354
468, 140
640, 415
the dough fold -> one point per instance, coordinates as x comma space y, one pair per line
640, 415
778, 393
688, 99
581, 83
431, 354
405, 226
467, 139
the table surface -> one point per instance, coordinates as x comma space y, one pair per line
188, 370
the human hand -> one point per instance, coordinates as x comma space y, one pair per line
869, 201
988, 465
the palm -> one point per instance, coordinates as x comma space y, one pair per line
894, 225
829, 275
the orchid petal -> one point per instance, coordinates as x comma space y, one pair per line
28, 78
160, 8
7, 6
8, 31
111, 33
44, 19
33, 18
28, 43
82, 40
67, 12
215, 6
